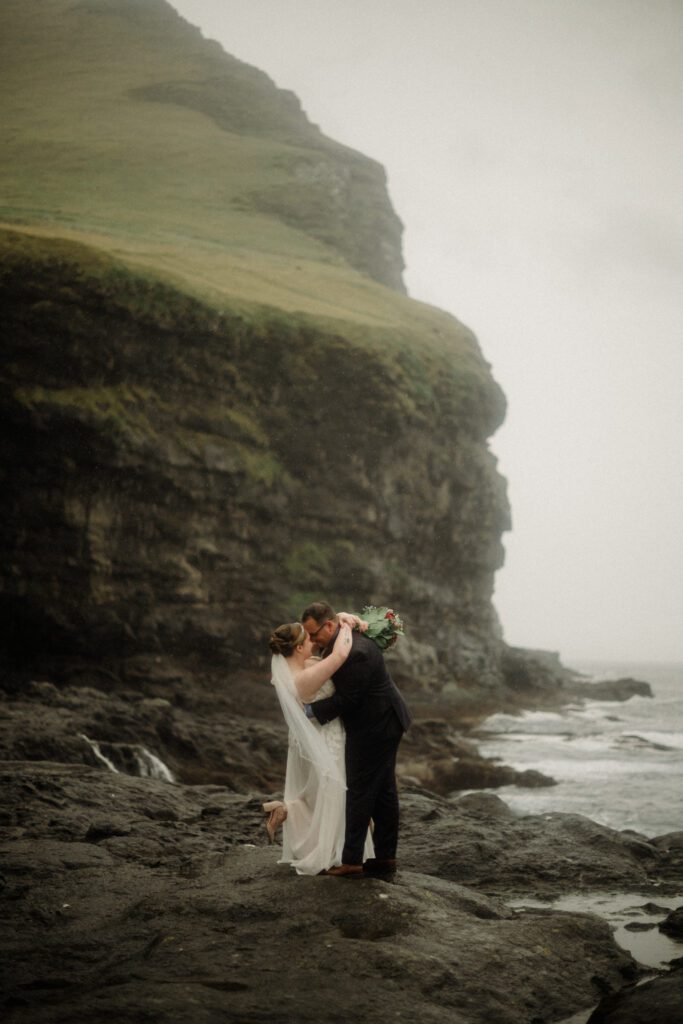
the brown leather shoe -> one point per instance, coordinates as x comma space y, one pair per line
346, 871
380, 866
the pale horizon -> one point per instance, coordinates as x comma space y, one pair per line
533, 153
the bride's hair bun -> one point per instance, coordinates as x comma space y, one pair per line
285, 639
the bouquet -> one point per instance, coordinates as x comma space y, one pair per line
384, 625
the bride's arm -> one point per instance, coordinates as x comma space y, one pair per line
354, 621
309, 681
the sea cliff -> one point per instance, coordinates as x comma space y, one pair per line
217, 404
205, 430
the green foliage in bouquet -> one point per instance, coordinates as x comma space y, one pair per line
384, 625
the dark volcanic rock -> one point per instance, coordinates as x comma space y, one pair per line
610, 689
208, 742
534, 677
659, 1001
158, 500
539, 854
129, 899
670, 849
653, 908
436, 757
449, 775
673, 925
236, 737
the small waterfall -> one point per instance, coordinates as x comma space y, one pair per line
95, 747
152, 767
130, 759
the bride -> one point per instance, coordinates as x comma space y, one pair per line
313, 811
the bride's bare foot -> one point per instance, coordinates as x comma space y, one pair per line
277, 813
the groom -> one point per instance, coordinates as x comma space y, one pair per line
375, 717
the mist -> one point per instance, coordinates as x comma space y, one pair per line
533, 152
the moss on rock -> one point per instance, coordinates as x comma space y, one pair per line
276, 457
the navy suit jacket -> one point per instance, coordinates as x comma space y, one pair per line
367, 699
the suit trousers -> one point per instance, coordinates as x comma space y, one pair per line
371, 793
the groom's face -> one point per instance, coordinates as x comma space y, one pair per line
320, 635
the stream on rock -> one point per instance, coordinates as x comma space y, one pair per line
645, 942
131, 759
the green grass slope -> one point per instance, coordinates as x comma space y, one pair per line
124, 127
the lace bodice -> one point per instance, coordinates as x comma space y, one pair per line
333, 732
326, 690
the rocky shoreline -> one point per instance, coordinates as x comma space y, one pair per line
232, 737
133, 898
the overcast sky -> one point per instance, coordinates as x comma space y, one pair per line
533, 149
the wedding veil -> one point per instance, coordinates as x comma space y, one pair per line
305, 734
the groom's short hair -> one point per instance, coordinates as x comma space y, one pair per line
320, 611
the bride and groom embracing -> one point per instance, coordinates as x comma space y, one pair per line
346, 718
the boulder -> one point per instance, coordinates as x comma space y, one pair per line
659, 1001
544, 855
610, 689
673, 924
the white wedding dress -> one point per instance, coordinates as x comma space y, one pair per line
315, 782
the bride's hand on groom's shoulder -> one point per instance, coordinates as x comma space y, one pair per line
352, 620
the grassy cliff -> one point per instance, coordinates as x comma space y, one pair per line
123, 125
217, 401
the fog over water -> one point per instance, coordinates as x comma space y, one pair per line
533, 149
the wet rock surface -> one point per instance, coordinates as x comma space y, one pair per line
659, 1001
134, 899
232, 736
196, 733
477, 840
673, 925
611, 689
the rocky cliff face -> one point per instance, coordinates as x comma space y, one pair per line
176, 482
184, 467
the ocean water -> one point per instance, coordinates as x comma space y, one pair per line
618, 762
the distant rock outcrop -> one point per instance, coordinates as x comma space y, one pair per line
611, 689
